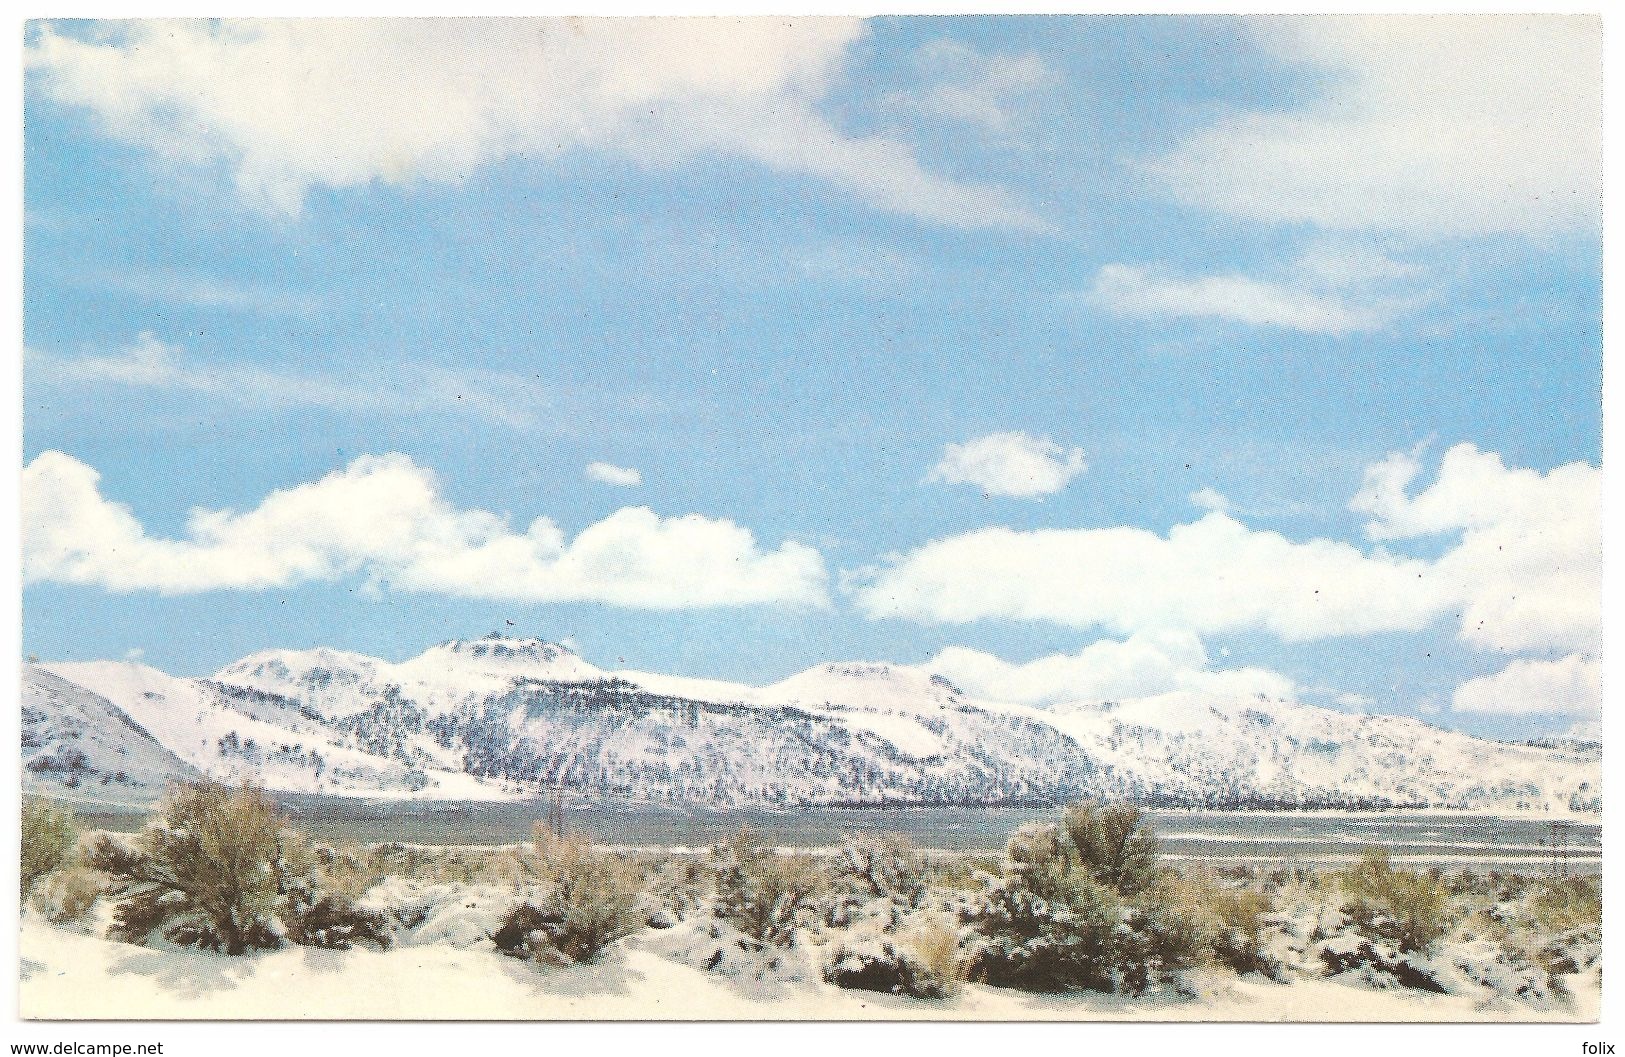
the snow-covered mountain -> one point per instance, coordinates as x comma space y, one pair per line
509, 718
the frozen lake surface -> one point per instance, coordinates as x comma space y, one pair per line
1308, 838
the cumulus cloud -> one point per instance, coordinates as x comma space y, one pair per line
1524, 574
1429, 125
1527, 570
508, 399
609, 473
1148, 664
1569, 686
291, 105
383, 519
1154, 294
1011, 464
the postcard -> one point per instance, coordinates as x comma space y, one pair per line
919, 518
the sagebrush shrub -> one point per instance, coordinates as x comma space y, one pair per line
49, 836
1065, 939
1115, 843
883, 866
207, 872
764, 894
1408, 908
591, 900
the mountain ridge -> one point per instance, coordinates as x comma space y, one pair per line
504, 719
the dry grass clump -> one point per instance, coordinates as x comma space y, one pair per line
1230, 917
1563, 904
67, 895
936, 945
49, 837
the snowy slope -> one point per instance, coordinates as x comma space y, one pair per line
78, 743
233, 734
510, 717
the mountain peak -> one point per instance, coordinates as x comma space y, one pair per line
867, 683
497, 646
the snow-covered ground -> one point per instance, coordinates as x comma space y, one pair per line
69, 975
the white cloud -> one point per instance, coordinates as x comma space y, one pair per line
1150, 293
383, 519
296, 104
1427, 125
1012, 464
609, 473
509, 399
1148, 664
1211, 499
1527, 570
1212, 576
973, 87
1524, 575
1570, 686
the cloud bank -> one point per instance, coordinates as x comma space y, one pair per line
1570, 686
382, 519
1524, 572
289, 106
1148, 664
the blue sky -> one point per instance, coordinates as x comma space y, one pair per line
845, 288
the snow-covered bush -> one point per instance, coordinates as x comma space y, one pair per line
1410, 909
49, 836
333, 921
1062, 938
206, 872
880, 867
767, 895
877, 962
591, 899
422, 913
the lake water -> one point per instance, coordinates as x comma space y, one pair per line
1288, 838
